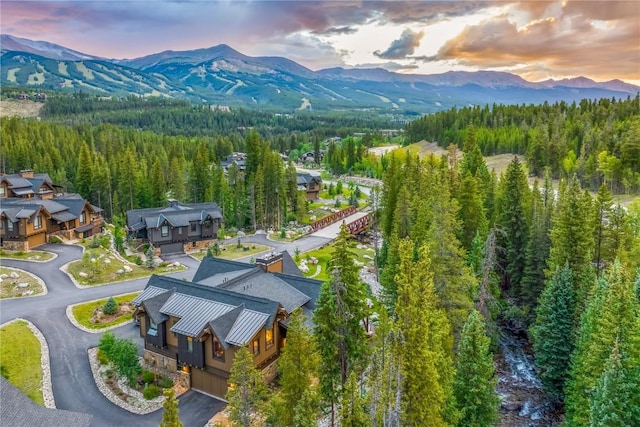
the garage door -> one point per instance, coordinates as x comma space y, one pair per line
172, 248
37, 240
208, 383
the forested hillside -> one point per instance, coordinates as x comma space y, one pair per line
563, 269
597, 140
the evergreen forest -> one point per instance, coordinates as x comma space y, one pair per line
543, 249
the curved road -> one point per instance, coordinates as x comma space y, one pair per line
74, 388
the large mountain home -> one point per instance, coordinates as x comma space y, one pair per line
174, 228
31, 211
198, 326
311, 184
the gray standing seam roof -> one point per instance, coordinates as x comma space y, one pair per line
153, 305
223, 324
17, 410
147, 293
211, 266
194, 313
248, 323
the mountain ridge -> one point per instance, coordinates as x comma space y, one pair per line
221, 74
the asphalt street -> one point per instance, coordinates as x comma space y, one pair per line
74, 388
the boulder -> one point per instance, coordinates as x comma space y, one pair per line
22, 285
127, 269
119, 271
14, 275
83, 274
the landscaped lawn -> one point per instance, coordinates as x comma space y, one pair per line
324, 254
24, 284
20, 359
26, 256
99, 266
231, 250
83, 313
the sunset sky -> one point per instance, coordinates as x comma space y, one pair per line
535, 39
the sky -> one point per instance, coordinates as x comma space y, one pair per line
537, 40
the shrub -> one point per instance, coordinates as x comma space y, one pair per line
148, 377
283, 233
54, 239
106, 345
125, 357
151, 392
95, 243
110, 307
102, 357
165, 382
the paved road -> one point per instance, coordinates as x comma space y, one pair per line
74, 388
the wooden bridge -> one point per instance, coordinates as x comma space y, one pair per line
359, 225
356, 222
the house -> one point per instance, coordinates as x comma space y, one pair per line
312, 184
27, 184
239, 159
309, 157
28, 222
197, 327
17, 410
175, 227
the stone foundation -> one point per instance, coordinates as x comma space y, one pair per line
160, 361
201, 244
15, 245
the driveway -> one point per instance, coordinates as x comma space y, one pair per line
74, 388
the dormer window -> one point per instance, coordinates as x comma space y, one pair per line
164, 230
218, 350
153, 328
37, 223
83, 217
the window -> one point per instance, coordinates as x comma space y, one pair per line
2, 191
190, 344
153, 328
218, 350
37, 224
164, 230
1, 224
193, 226
268, 337
179, 230
256, 346
83, 217
9, 226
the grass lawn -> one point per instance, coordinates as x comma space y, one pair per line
232, 251
26, 256
9, 287
20, 359
99, 266
84, 312
325, 254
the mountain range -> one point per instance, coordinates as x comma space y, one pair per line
222, 75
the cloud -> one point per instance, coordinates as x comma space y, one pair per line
400, 48
574, 38
425, 12
336, 31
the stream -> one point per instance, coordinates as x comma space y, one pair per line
524, 404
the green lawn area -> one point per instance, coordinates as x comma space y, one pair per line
83, 312
99, 266
26, 256
324, 254
232, 251
20, 359
12, 287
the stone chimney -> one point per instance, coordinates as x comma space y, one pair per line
271, 263
26, 173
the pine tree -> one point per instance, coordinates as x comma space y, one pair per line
84, 173
327, 338
298, 365
572, 240
247, 391
611, 403
170, 416
158, 184
475, 380
611, 314
472, 214
604, 247
553, 332
426, 365
352, 406
514, 220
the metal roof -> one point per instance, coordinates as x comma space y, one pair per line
63, 216
248, 323
194, 313
149, 292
